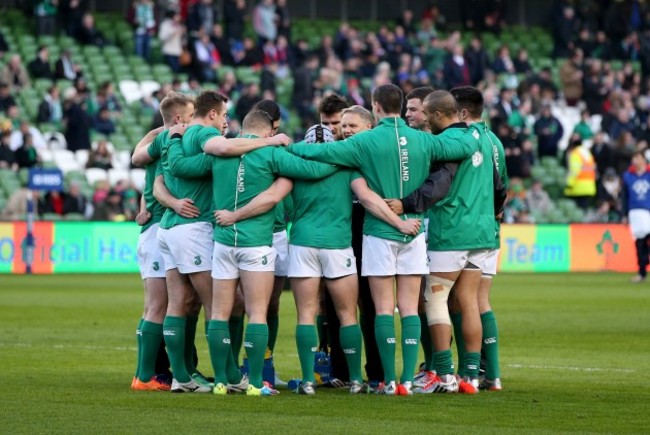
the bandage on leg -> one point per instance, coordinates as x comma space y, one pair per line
436, 294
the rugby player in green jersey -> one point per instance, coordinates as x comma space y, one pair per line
185, 243
243, 251
394, 159
456, 255
175, 108
470, 109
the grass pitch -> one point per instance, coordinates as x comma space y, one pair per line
575, 350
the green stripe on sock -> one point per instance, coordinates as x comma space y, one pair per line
350, 337
443, 362
174, 335
306, 344
471, 362
152, 336
219, 346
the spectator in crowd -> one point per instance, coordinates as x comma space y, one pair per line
50, 109
40, 67
253, 55
6, 99
407, 22
522, 62
582, 128
581, 177
130, 203
503, 110
565, 27
503, 63
7, 156
75, 201
283, 19
208, 59
100, 156
537, 199
24, 128
603, 154
201, 18
26, 155
102, 187
549, 131
477, 59
16, 207
516, 209
456, 69
623, 152
88, 34
110, 209
518, 160
636, 208
65, 68
52, 202
71, 12
102, 122
171, 39
14, 73
222, 45
45, 12
76, 120
234, 19
264, 22
608, 190
571, 76
144, 24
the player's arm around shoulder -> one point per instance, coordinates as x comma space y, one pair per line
288, 165
342, 153
262, 203
234, 147
142, 155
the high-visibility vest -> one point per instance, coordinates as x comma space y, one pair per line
581, 180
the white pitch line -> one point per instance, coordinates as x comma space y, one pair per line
574, 369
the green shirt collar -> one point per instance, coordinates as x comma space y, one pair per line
391, 121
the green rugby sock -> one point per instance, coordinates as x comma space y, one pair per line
138, 338
152, 336
491, 345
274, 322
236, 326
426, 342
306, 343
443, 362
219, 346
471, 362
457, 321
257, 336
385, 334
410, 338
174, 335
350, 337
190, 334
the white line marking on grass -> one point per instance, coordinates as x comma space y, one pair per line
574, 369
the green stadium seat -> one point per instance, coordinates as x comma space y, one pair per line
76, 217
549, 162
51, 217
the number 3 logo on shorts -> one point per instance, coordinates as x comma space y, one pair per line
348, 263
156, 266
197, 260
264, 261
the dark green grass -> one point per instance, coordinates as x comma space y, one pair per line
575, 353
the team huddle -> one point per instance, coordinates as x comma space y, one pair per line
215, 213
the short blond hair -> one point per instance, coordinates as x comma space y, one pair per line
363, 113
172, 102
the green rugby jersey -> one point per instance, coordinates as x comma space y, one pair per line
394, 159
323, 211
242, 178
464, 219
499, 156
186, 170
156, 209
283, 214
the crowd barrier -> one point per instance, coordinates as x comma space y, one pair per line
107, 247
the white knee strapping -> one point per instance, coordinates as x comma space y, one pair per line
436, 294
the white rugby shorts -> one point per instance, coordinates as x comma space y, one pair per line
308, 262
187, 247
227, 261
453, 261
383, 257
281, 246
150, 259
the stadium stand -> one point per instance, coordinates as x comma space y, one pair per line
352, 58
